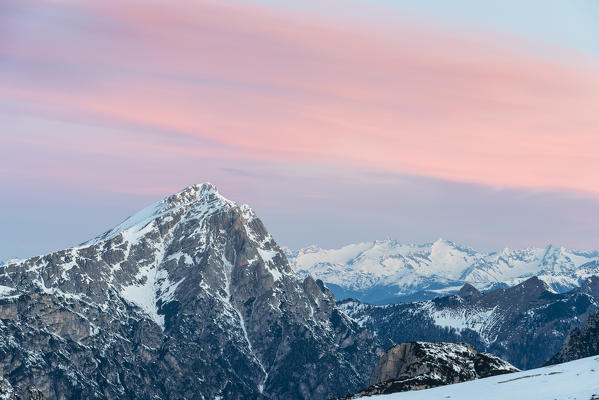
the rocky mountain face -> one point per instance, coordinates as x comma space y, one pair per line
189, 299
421, 365
7, 392
580, 343
386, 271
526, 324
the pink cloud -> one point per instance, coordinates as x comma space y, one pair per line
404, 98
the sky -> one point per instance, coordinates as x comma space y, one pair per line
337, 121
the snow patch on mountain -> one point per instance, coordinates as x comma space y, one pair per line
6, 291
481, 321
143, 293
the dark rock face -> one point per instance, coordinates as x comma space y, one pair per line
468, 292
580, 343
525, 325
419, 365
190, 298
7, 392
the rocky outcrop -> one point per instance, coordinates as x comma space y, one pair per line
420, 365
526, 324
190, 298
7, 392
468, 292
581, 342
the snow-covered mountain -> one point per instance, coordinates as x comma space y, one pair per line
573, 380
387, 271
525, 325
189, 298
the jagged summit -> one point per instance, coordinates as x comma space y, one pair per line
193, 193
204, 196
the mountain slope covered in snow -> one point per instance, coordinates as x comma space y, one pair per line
573, 380
386, 271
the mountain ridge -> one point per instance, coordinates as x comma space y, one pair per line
525, 325
386, 271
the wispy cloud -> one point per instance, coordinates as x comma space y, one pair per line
401, 99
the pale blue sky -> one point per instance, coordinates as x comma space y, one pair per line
570, 23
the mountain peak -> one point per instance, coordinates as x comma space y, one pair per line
204, 194
442, 241
534, 284
448, 245
192, 193
468, 291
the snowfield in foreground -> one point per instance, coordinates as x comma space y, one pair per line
573, 380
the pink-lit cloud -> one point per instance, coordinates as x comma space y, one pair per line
263, 86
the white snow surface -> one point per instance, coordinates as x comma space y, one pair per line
6, 291
573, 380
481, 321
442, 266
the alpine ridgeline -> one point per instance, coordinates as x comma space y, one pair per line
387, 271
526, 324
190, 298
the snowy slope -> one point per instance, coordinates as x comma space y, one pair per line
574, 380
381, 271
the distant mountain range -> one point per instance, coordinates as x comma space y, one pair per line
525, 325
387, 271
